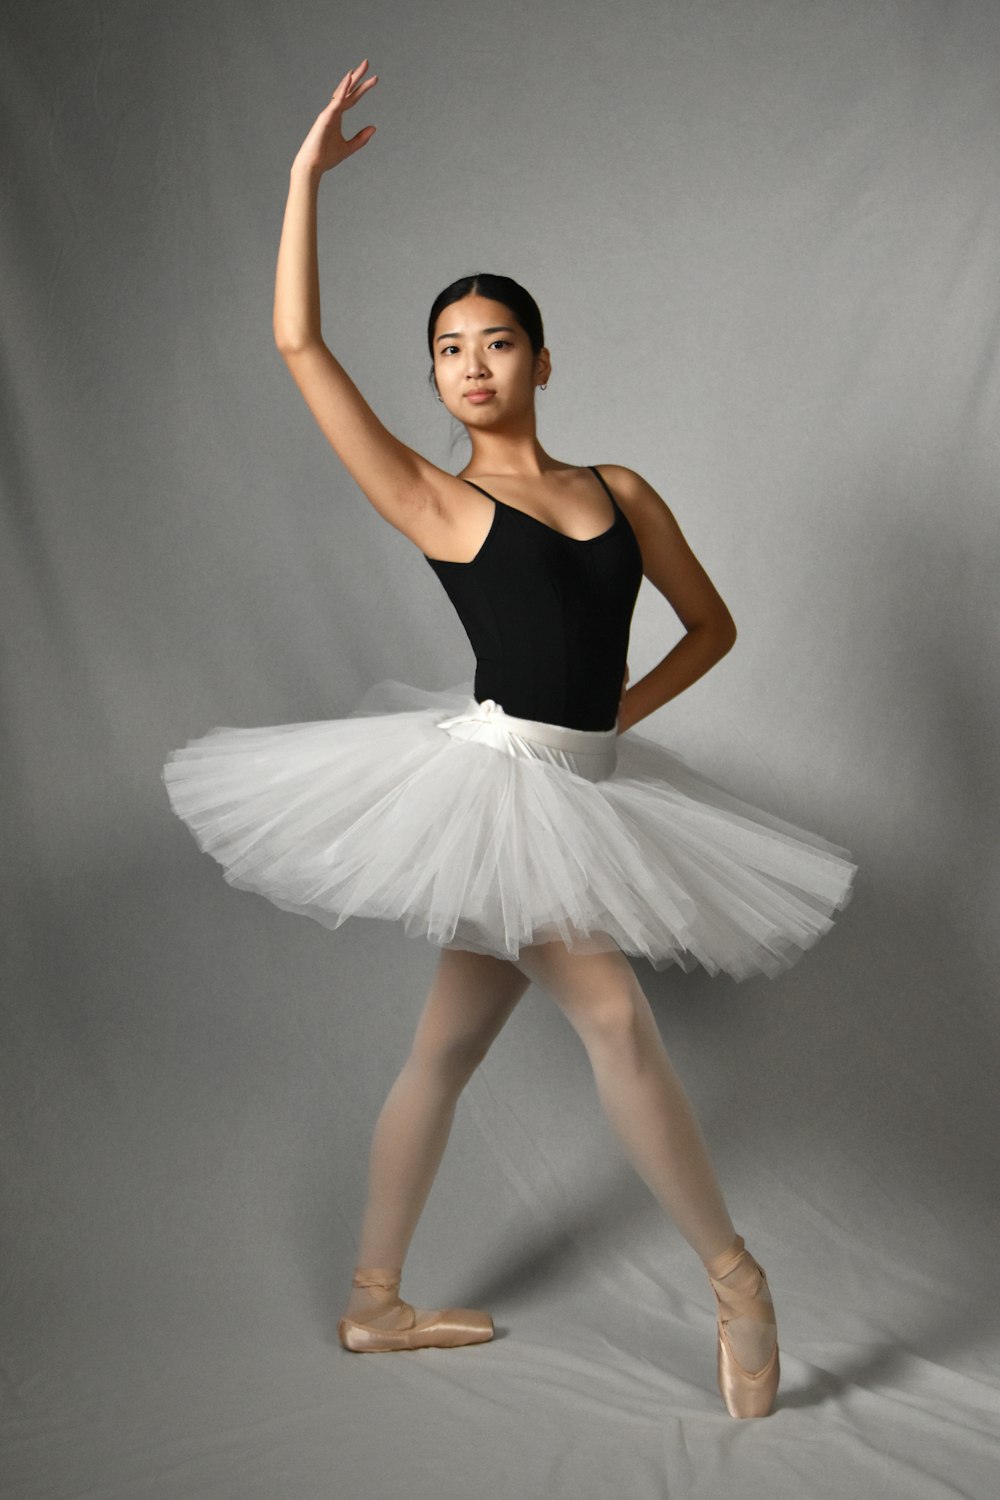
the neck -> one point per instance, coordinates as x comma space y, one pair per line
496, 453
512, 449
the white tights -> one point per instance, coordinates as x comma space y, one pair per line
470, 999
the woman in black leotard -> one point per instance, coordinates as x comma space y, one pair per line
513, 821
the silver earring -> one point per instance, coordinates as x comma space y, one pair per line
546, 383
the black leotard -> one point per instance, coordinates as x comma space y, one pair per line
548, 615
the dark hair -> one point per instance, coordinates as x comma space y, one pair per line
498, 289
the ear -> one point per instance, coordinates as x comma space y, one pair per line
543, 364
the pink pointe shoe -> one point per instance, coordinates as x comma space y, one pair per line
747, 1393
413, 1327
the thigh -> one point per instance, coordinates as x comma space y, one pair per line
470, 998
597, 992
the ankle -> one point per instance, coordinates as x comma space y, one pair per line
373, 1289
366, 1302
724, 1261
738, 1279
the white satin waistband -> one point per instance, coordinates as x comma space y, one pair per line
591, 753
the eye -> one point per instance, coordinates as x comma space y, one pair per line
447, 348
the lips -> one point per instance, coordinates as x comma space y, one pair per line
479, 396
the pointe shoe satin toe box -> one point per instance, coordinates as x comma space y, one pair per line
746, 1393
444, 1328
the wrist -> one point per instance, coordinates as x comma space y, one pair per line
305, 170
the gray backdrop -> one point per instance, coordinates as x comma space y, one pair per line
764, 239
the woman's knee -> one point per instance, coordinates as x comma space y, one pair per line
610, 1019
601, 997
454, 1059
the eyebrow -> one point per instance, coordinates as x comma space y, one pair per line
500, 328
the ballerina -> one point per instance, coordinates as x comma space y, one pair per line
524, 828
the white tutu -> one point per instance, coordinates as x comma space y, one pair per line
480, 830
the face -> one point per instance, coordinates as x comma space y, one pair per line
480, 346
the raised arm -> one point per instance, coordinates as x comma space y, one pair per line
403, 486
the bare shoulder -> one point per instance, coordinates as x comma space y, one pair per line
667, 558
638, 499
646, 510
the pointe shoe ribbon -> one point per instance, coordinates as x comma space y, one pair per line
747, 1393
418, 1328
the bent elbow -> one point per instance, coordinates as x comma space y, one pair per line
726, 632
288, 346
295, 341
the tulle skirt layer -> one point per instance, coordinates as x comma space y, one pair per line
479, 830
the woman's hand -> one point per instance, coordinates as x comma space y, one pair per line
325, 147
